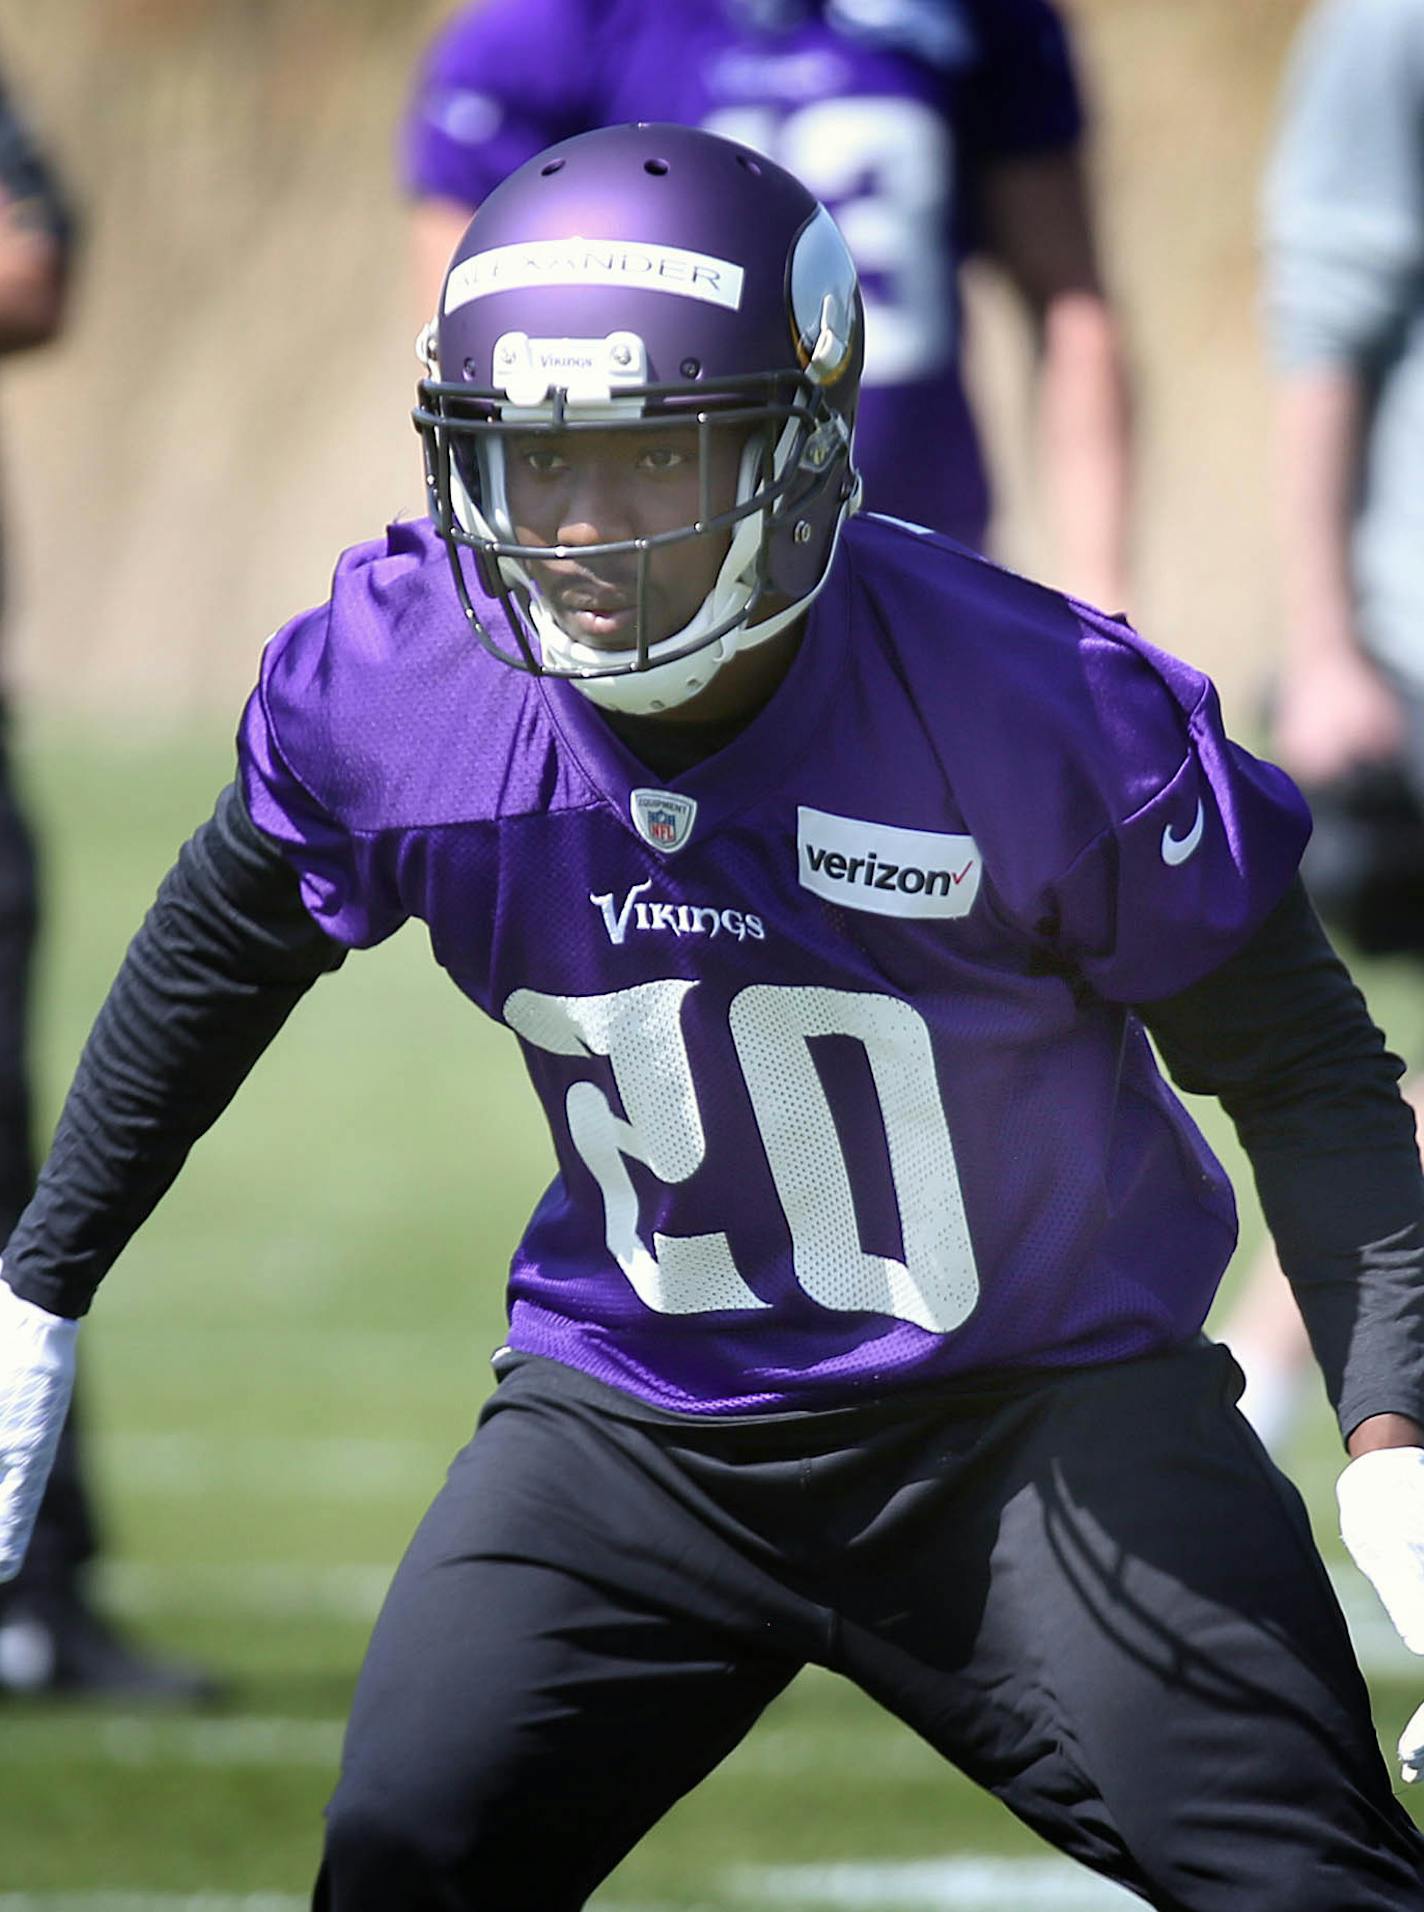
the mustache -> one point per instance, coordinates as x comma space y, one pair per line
578, 587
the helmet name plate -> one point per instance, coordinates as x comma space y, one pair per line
611, 262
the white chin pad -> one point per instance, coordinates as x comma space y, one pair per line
661, 686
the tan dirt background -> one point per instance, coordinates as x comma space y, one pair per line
229, 407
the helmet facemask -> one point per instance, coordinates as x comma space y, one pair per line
794, 459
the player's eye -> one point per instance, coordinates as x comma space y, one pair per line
661, 458
543, 462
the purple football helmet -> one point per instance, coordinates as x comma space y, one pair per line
627, 279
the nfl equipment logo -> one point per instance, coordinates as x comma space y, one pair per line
663, 818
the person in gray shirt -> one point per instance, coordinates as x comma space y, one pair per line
1343, 223
1344, 230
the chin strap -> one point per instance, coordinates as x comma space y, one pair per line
666, 686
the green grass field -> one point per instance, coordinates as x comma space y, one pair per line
276, 1376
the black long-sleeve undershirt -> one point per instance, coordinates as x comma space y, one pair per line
1282, 1037
1279, 1033
218, 964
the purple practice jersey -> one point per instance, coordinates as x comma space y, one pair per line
887, 114
830, 1030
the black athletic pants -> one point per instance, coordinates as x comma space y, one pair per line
1099, 1599
64, 1533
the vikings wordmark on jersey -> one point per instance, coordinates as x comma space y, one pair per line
782, 1111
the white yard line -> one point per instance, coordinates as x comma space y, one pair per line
977, 1883
104, 1901
972, 1883
131, 1739
344, 1348
251, 1590
264, 1466
137, 1739
152, 1902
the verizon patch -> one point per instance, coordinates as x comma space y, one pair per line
888, 871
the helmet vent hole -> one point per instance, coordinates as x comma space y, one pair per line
554, 166
657, 167
747, 163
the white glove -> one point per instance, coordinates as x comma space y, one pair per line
1381, 1496
1411, 1747
36, 1380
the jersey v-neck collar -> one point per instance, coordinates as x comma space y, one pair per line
754, 762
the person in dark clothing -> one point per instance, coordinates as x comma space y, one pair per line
52, 1639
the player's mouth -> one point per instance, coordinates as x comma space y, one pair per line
596, 618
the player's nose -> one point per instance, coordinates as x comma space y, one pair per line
595, 507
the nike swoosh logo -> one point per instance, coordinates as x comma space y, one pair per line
1176, 849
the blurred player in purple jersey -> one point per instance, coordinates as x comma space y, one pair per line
932, 129
830, 879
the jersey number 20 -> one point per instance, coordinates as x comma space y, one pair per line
639, 1030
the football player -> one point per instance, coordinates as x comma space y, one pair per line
933, 130
830, 879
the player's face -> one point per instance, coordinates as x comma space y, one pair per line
599, 487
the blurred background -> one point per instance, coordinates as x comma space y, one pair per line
271, 1410
229, 407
